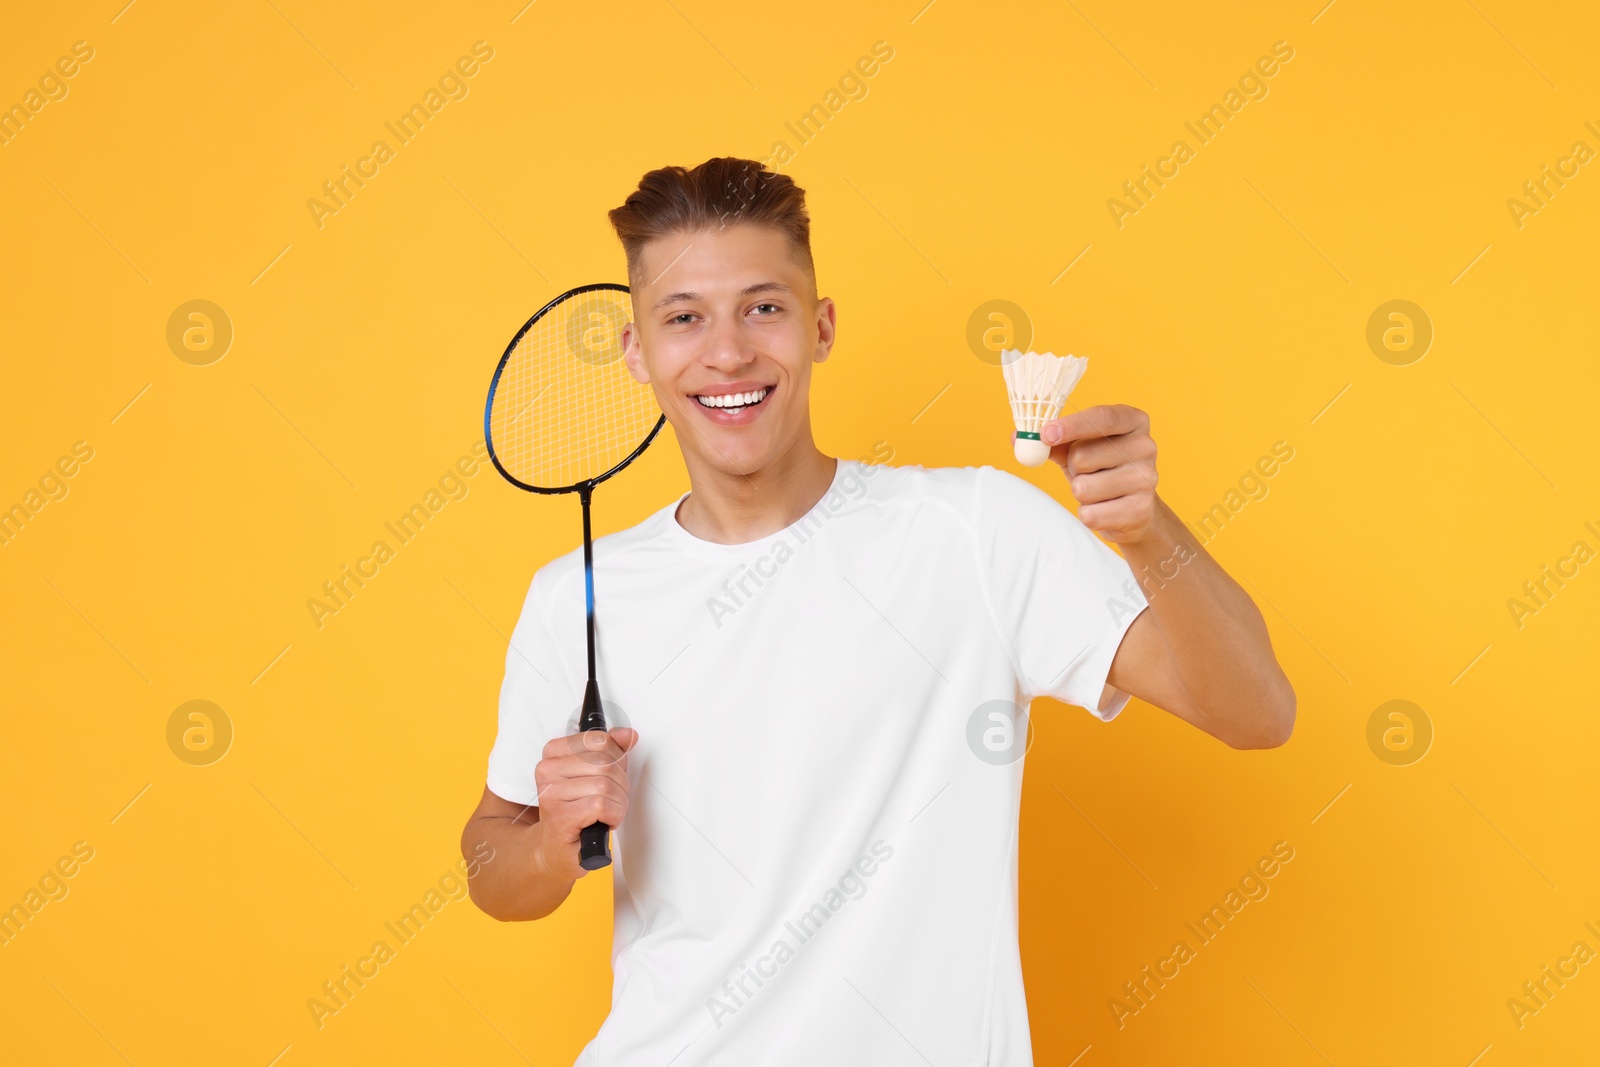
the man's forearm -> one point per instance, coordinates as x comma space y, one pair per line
1216, 636
514, 887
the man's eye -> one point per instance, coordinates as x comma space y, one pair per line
679, 317
774, 307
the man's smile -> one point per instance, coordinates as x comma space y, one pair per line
735, 403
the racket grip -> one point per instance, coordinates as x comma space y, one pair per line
594, 840
594, 846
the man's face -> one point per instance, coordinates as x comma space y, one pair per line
726, 332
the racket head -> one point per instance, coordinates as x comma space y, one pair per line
563, 411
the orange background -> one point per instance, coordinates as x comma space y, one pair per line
1233, 306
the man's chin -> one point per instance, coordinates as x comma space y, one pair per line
743, 466
730, 451
742, 461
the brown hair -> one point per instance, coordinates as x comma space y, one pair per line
718, 193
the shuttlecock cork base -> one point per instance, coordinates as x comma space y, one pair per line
1038, 385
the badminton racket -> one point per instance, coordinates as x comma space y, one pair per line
564, 415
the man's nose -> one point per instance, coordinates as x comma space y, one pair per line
726, 347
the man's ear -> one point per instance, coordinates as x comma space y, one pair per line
632, 354
827, 329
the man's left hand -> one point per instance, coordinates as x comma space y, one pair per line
1110, 461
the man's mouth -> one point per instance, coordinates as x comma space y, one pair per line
734, 403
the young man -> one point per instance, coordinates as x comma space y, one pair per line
818, 672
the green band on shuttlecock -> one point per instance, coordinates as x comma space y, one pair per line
1028, 435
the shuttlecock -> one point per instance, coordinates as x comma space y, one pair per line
1038, 386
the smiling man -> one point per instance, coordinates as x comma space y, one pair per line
815, 790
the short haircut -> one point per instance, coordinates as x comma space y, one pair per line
718, 193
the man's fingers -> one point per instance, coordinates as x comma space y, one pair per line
1087, 456
582, 766
558, 781
567, 790
1115, 519
1109, 484
1102, 420
1107, 454
595, 746
588, 800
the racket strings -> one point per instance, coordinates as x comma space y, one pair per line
566, 409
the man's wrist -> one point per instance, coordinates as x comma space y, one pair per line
543, 868
541, 863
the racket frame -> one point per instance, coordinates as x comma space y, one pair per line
494, 386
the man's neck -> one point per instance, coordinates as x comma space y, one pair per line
732, 509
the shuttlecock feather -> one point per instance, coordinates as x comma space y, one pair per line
1038, 385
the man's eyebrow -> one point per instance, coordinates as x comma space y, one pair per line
749, 290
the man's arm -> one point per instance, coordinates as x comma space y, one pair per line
581, 779
514, 886
1201, 651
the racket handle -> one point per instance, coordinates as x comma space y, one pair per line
594, 846
594, 841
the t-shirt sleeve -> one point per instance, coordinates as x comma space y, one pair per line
536, 699
1061, 598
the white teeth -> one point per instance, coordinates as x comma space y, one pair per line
733, 400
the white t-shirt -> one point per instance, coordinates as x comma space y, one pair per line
819, 860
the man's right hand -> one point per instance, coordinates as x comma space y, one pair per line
582, 779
